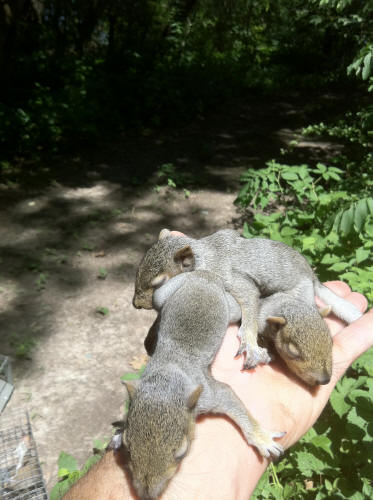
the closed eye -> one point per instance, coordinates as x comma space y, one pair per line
182, 451
292, 351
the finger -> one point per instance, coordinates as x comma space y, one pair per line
338, 287
354, 340
341, 289
177, 233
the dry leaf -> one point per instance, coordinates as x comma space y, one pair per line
308, 484
138, 361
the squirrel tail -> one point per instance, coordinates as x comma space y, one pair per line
340, 307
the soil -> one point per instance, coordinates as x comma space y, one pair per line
73, 233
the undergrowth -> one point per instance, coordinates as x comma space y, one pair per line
326, 213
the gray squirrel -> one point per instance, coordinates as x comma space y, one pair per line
177, 386
300, 336
250, 269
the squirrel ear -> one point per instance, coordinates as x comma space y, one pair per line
185, 258
194, 397
131, 387
276, 322
165, 233
160, 280
324, 311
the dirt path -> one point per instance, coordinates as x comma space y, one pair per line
70, 244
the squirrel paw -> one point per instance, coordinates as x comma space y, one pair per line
267, 447
254, 353
256, 356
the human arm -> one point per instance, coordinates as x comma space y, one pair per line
220, 464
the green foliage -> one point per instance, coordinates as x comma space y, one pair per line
133, 375
316, 211
69, 473
104, 311
319, 466
325, 212
22, 345
73, 72
102, 273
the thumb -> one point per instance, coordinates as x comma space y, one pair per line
353, 341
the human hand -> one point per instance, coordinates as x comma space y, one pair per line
285, 402
220, 457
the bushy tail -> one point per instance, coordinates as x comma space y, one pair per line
340, 307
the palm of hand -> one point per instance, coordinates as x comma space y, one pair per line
276, 398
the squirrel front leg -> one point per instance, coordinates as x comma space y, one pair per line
221, 399
247, 295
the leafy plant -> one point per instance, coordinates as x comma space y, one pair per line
102, 273
69, 473
327, 216
104, 311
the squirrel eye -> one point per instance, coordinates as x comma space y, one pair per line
182, 451
292, 350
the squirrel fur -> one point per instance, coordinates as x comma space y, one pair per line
250, 269
177, 386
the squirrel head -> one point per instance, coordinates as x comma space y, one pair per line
158, 436
169, 256
303, 341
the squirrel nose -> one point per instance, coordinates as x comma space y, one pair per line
324, 379
135, 304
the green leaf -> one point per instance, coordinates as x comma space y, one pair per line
308, 464
59, 489
369, 229
367, 66
289, 176
323, 442
329, 259
347, 221
370, 205
288, 231
362, 254
130, 376
339, 266
68, 462
102, 273
102, 310
339, 404
365, 362
308, 242
246, 232
62, 472
361, 212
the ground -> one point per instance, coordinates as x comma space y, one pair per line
72, 236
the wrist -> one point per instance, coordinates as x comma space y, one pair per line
220, 464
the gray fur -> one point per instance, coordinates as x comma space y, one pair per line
176, 385
304, 330
249, 268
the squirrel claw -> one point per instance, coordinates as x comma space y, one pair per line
268, 447
257, 355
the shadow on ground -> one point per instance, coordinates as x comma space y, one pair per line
72, 234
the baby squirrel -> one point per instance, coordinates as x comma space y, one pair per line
297, 331
177, 386
299, 334
250, 269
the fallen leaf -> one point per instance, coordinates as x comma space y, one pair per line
138, 361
